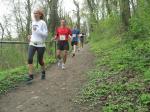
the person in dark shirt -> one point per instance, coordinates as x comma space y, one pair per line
75, 38
82, 36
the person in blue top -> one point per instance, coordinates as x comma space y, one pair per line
75, 38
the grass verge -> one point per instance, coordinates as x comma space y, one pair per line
120, 81
11, 78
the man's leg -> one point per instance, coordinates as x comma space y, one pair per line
59, 54
66, 49
65, 56
59, 58
74, 48
82, 44
79, 45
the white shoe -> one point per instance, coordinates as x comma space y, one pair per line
63, 66
59, 64
78, 49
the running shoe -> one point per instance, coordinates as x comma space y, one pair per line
29, 79
78, 49
43, 76
63, 66
73, 55
59, 63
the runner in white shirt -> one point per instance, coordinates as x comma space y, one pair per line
37, 43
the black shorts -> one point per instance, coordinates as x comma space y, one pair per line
63, 45
74, 43
40, 53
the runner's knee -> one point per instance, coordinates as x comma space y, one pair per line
58, 54
65, 53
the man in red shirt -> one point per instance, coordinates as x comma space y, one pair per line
63, 34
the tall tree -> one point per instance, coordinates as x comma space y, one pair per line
92, 8
28, 26
103, 8
108, 7
125, 13
133, 6
78, 13
2, 31
53, 14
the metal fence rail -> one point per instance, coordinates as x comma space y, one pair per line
14, 53
18, 42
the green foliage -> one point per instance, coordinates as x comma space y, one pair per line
120, 81
147, 75
12, 56
140, 25
11, 78
145, 99
13, 66
117, 84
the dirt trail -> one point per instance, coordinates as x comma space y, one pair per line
55, 94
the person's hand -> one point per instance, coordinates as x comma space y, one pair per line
54, 39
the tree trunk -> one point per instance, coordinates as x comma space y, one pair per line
54, 18
92, 21
133, 6
103, 9
78, 13
28, 17
125, 13
108, 7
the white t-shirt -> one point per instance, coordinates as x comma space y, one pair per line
39, 33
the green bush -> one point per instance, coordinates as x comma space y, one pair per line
11, 78
140, 25
117, 83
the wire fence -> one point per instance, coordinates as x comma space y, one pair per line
14, 54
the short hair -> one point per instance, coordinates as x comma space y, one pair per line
63, 19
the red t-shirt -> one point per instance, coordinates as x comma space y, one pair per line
62, 34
